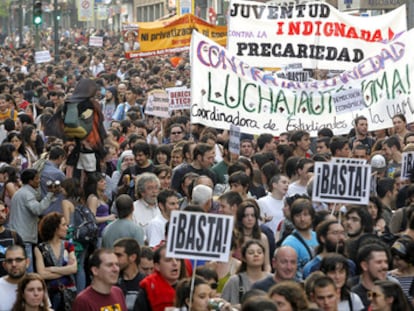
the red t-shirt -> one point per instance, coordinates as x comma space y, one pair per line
91, 300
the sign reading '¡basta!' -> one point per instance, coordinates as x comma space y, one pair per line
341, 181
199, 236
316, 34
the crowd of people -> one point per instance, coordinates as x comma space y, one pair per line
288, 253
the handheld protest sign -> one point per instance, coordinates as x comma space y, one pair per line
199, 236
341, 182
407, 164
234, 140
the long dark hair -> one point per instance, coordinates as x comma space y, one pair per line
332, 262
256, 234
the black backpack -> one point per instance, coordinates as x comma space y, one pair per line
85, 229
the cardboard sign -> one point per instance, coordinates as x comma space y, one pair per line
96, 41
199, 236
179, 98
341, 183
234, 139
42, 57
407, 164
157, 104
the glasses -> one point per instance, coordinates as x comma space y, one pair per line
17, 260
175, 133
213, 285
374, 295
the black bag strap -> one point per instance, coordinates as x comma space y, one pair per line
299, 237
241, 288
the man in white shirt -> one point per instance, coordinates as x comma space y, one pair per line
146, 208
15, 264
167, 202
271, 206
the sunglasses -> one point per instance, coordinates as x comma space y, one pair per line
175, 133
374, 295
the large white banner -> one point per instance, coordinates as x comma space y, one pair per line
316, 34
226, 90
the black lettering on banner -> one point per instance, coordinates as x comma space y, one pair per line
181, 234
342, 182
192, 235
201, 237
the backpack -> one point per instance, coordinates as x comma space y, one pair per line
39, 165
85, 229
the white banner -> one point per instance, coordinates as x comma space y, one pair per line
199, 236
95, 41
179, 97
234, 139
336, 182
86, 10
226, 90
157, 104
316, 34
42, 57
407, 164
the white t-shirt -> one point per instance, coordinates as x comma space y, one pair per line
270, 206
295, 188
155, 230
8, 294
143, 213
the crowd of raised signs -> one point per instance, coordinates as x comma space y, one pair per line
84, 221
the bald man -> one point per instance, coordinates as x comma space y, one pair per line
285, 263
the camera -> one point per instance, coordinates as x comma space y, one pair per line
53, 183
214, 304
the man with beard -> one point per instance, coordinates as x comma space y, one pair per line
361, 134
358, 226
15, 263
303, 239
331, 239
128, 252
373, 259
146, 208
7, 237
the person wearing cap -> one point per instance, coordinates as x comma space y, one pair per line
402, 252
378, 165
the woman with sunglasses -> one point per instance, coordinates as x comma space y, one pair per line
388, 296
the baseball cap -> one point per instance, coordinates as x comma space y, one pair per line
378, 162
401, 248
